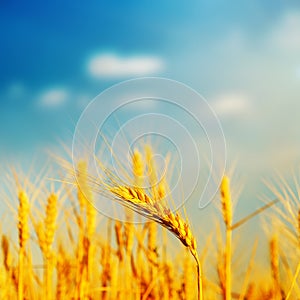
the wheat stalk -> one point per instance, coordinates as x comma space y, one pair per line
7, 263
227, 217
152, 226
50, 227
61, 285
187, 278
50, 223
298, 225
293, 283
137, 200
6, 253
86, 231
274, 261
119, 239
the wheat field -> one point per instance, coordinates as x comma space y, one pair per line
60, 247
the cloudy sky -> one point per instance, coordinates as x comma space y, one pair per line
243, 57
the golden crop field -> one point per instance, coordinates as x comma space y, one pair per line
85, 255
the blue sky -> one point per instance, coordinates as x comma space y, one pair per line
243, 57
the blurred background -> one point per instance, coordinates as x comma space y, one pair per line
244, 58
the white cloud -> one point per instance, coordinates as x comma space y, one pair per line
231, 104
53, 98
111, 65
286, 35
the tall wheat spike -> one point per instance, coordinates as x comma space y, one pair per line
81, 255
152, 226
50, 228
86, 231
23, 214
227, 217
138, 170
274, 261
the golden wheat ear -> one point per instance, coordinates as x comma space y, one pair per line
227, 218
137, 200
23, 216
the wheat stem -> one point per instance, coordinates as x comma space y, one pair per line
293, 282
